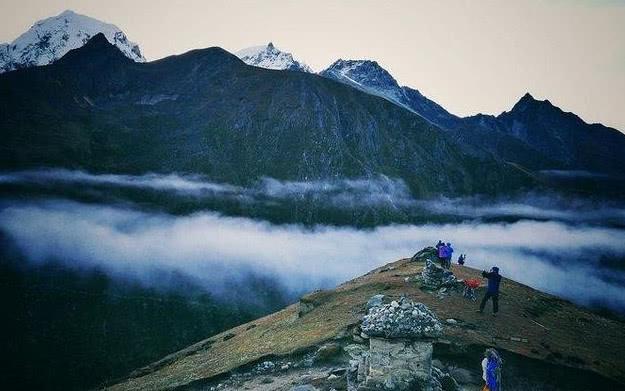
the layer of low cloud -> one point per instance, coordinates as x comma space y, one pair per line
530, 206
359, 192
555, 257
376, 192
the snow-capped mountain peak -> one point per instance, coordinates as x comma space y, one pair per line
270, 57
371, 78
368, 76
364, 73
51, 38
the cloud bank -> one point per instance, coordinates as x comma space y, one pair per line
530, 206
361, 192
554, 257
340, 193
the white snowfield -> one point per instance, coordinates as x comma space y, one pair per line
49, 39
270, 57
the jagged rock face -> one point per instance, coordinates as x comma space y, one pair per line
434, 276
399, 365
50, 39
403, 319
270, 57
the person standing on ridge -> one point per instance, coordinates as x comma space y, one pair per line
449, 252
461, 259
441, 252
492, 292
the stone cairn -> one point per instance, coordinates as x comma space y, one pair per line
435, 277
401, 336
403, 319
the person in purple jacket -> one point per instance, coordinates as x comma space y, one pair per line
441, 252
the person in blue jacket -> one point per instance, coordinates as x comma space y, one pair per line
491, 370
448, 253
492, 292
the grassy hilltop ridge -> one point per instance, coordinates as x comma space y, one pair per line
532, 325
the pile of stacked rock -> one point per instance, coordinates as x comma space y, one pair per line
403, 319
434, 276
401, 335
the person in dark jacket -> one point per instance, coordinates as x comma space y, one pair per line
439, 245
492, 292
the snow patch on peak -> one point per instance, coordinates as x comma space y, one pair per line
51, 38
368, 76
270, 57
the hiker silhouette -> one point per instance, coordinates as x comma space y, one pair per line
492, 292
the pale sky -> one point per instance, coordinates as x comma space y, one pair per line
469, 56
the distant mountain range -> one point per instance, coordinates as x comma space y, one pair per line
49, 39
239, 123
208, 112
534, 133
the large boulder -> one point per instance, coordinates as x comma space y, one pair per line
403, 319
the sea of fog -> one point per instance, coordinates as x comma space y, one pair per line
572, 248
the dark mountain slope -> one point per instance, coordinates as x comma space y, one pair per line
207, 112
565, 137
534, 133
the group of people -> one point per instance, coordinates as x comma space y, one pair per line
491, 364
445, 251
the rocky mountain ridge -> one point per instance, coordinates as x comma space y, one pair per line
370, 77
532, 131
540, 137
207, 112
